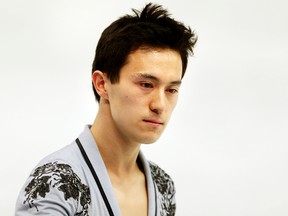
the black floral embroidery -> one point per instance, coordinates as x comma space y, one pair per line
64, 179
166, 188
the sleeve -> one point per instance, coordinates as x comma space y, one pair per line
53, 189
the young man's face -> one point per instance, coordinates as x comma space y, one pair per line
142, 101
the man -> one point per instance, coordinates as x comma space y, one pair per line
139, 63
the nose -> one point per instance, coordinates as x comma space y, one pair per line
157, 102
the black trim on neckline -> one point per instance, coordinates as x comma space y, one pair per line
88, 162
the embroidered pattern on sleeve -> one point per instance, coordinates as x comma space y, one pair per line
166, 188
62, 177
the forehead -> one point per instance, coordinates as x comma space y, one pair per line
165, 64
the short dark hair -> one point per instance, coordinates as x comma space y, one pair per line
151, 27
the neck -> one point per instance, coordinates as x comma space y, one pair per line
118, 154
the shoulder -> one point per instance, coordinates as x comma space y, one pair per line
160, 177
58, 176
56, 180
166, 189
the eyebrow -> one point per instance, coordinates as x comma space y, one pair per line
154, 78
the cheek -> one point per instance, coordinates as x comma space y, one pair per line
173, 103
125, 104
133, 96
126, 111
134, 104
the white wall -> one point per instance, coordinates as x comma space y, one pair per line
226, 145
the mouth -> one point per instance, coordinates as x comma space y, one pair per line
153, 122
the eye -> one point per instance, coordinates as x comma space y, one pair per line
146, 85
172, 91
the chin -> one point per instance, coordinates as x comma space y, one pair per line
149, 140
148, 143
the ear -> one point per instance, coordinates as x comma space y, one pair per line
100, 80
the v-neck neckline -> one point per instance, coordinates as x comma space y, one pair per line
93, 153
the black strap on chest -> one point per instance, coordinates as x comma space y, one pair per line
88, 162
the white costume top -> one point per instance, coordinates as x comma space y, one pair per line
62, 184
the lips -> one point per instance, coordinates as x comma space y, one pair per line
153, 121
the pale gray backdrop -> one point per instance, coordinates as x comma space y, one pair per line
226, 145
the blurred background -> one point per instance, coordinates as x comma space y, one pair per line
226, 145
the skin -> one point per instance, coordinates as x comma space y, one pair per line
134, 111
